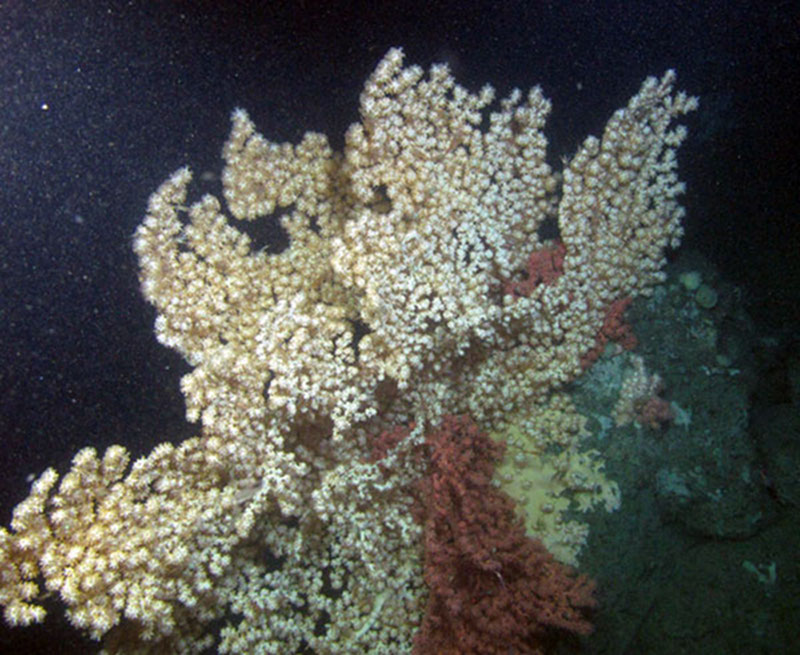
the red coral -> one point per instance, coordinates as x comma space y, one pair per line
544, 267
386, 441
654, 411
492, 588
614, 328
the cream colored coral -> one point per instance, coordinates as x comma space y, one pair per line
619, 210
146, 547
548, 472
638, 386
386, 308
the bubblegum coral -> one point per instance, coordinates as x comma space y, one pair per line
385, 308
544, 267
492, 588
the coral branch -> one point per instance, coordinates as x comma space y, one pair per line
492, 589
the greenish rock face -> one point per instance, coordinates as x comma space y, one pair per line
706, 297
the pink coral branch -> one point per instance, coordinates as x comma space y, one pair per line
492, 588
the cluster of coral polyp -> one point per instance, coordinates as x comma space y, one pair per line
337, 498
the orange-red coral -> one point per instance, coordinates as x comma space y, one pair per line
492, 588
